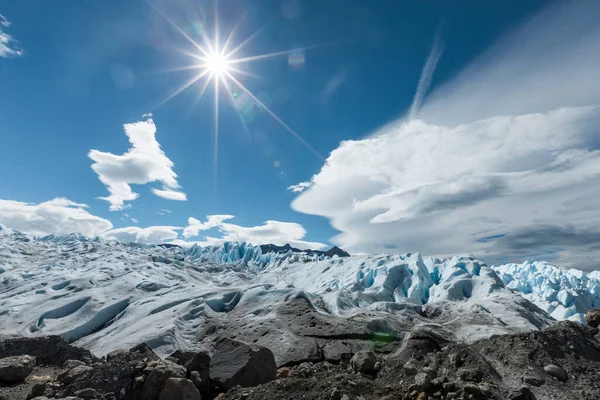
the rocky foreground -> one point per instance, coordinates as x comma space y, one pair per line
560, 362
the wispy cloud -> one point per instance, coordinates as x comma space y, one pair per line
300, 187
9, 46
427, 73
145, 162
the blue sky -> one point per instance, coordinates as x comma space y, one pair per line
72, 76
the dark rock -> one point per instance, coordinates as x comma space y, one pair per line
473, 389
200, 381
198, 362
533, 380
423, 382
115, 354
70, 364
68, 376
470, 374
16, 368
237, 363
39, 389
88, 393
182, 357
593, 318
47, 350
160, 374
180, 389
557, 372
364, 361
523, 393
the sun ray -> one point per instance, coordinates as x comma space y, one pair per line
268, 110
181, 31
216, 133
183, 87
248, 39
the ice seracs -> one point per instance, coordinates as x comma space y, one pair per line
105, 295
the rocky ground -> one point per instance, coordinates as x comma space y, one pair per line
559, 362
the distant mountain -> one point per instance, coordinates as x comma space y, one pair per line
334, 251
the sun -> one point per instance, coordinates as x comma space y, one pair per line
217, 64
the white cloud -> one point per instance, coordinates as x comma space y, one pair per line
9, 47
301, 187
150, 235
506, 151
275, 232
60, 216
144, 162
195, 226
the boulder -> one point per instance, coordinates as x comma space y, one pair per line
364, 361
68, 376
523, 393
199, 362
593, 318
160, 373
70, 364
182, 357
238, 363
16, 368
87, 393
470, 374
180, 389
200, 381
557, 372
423, 382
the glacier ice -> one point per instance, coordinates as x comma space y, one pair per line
106, 295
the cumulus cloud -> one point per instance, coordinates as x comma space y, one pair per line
149, 235
274, 232
195, 226
60, 216
9, 47
145, 162
508, 149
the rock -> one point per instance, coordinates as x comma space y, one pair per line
473, 389
377, 366
593, 318
422, 396
557, 372
198, 362
183, 357
423, 382
410, 368
69, 376
158, 376
37, 390
16, 368
115, 354
522, 394
48, 350
237, 363
470, 374
70, 364
533, 380
364, 361
283, 372
180, 389
201, 382
88, 393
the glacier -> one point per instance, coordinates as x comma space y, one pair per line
105, 295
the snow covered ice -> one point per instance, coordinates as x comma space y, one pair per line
106, 295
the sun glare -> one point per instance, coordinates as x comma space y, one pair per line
217, 64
